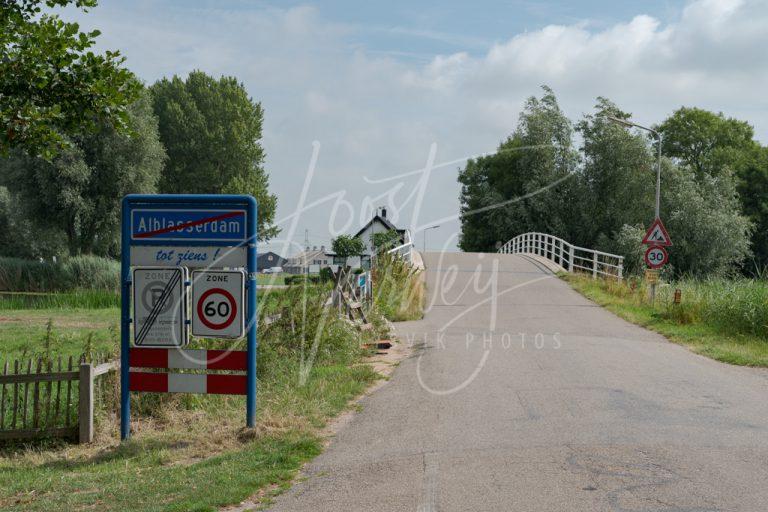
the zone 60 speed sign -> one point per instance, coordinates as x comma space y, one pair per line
217, 303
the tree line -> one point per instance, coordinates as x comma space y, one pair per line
80, 131
593, 183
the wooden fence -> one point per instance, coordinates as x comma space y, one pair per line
42, 398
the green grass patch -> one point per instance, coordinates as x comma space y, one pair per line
78, 299
189, 452
399, 290
271, 279
23, 332
721, 319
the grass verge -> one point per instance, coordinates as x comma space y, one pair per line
191, 452
399, 289
719, 319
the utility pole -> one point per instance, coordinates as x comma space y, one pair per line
658, 137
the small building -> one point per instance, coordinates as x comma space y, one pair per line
309, 261
378, 224
269, 260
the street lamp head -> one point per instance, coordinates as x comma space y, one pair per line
622, 122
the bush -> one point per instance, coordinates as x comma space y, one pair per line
305, 330
79, 272
398, 289
733, 305
301, 279
326, 274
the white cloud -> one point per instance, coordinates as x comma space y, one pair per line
376, 115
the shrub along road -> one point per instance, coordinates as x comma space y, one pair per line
527, 396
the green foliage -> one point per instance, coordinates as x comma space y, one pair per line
535, 182
78, 194
346, 246
302, 279
326, 274
306, 330
22, 238
386, 240
211, 130
714, 146
398, 289
616, 182
708, 143
52, 85
77, 299
703, 218
522, 187
80, 272
724, 319
753, 192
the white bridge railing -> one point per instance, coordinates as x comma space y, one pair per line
404, 250
568, 256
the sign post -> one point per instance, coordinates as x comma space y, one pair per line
163, 236
656, 238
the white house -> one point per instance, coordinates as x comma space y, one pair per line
378, 224
309, 261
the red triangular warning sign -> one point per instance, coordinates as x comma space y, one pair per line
657, 234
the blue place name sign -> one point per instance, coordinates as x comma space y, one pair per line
181, 225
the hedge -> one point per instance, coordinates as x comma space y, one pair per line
78, 272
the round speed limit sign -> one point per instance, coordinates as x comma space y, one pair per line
217, 303
656, 256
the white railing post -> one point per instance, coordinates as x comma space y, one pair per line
594, 264
621, 267
571, 254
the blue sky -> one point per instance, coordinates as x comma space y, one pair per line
381, 89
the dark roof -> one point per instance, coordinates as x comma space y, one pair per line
384, 221
264, 254
269, 258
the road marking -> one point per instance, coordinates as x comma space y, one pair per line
431, 483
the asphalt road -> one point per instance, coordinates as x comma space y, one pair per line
521, 395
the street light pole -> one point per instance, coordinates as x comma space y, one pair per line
658, 136
425, 236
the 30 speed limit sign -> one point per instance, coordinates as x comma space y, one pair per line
656, 256
217, 303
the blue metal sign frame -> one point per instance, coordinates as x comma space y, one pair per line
173, 228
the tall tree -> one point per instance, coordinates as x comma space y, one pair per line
715, 146
708, 143
523, 186
78, 193
753, 192
211, 130
52, 85
616, 181
704, 220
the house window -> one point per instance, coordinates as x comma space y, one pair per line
338, 260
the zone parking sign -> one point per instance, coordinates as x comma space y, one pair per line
217, 303
159, 307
